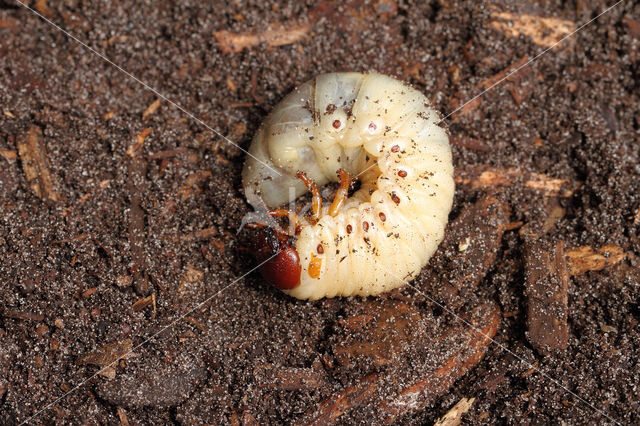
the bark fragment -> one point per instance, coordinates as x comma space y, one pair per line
441, 355
107, 355
505, 73
151, 109
543, 31
546, 280
583, 259
483, 176
471, 339
329, 410
276, 35
379, 337
136, 185
470, 143
468, 250
454, 416
289, 378
35, 164
26, 316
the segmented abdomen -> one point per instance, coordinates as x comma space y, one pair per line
384, 131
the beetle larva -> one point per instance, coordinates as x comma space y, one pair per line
349, 124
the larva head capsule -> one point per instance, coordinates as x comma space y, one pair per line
281, 267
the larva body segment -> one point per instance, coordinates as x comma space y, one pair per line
381, 130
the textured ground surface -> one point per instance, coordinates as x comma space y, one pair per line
106, 237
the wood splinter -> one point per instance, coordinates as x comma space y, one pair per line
35, 164
276, 35
546, 281
481, 176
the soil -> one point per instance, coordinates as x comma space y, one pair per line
112, 241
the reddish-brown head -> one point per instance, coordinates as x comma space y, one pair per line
282, 270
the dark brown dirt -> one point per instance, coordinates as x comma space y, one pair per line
111, 227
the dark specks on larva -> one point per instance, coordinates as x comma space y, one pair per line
355, 114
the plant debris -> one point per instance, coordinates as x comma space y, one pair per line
543, 31
546, 281
583, 259
454, 416
35, 164
483, 176
106, 356
97, 214
276, 35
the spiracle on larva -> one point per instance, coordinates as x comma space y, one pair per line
332, 128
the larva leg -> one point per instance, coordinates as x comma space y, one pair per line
316, 203
383, 133
341, 194
294, 219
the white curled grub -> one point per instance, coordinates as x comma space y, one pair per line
385, 133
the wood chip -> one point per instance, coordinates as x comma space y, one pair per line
141, 304
513, 225
133, 149
471, 143
468, 250
107, 355
231, 85
482, 176
276, 35
235, 105
8, 155
124, 280
546, 283
531, 370
11, 24
467, 108
328, 411
151, 109
191, 275
89, 292
237, 131
380, 337
136, 186
583, 259
543, 31
123, 417
202, 234
544, 222
76, 239
454, 416
27, 316
168, 153
492, 81
633, 26
42, 7
191, 184
471, 344
35, 164
448, 355
289, 378
195, 323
